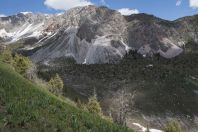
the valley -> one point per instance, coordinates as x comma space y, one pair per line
142, 69
164, 87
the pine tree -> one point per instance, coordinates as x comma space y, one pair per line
21, 64
93, 105
56, 85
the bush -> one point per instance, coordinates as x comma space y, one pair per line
93, 106
107, 118
7, 57
81, 105
21, 64
173, 127
56, 85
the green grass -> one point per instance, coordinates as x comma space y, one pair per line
27, 107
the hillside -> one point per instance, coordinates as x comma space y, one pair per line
25, 107
165, 88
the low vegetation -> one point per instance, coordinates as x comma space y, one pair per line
93, 106
173, 126
26, 106
56, 85
6, 56
19, 62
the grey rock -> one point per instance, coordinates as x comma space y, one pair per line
97, 34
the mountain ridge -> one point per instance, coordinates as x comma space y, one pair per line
95, 35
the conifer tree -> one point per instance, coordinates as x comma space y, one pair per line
93, 105
56, 85
21, 64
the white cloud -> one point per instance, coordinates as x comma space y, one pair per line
103, 2
66, 4
2, 15
178, 3
194, 3
127, 11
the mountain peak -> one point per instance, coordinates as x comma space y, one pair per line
96, 34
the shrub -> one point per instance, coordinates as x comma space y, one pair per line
56, 85
7, 57
81, 105
21, 64
93, 106
173, 127
107, 118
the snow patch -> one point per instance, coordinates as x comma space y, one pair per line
155, 130
144, 128
85, 61
140, 126
150, 65
25, 13
194, 78
4, 33
59, 14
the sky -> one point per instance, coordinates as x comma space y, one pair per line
166, 9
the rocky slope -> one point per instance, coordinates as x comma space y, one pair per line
96, 35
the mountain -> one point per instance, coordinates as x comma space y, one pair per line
25, 106
154, 59
153, 90
93, 35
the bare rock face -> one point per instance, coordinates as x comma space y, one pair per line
93, 35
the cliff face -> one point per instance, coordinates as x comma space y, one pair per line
96, 34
